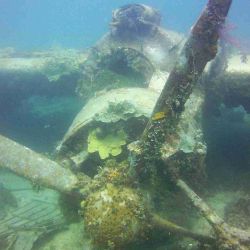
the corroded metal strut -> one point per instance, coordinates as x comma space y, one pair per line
199, 49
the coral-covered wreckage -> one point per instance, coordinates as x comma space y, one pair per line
140, 133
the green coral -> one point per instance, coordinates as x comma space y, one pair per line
107, 145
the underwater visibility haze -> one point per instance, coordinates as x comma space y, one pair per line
124, 125
36, 24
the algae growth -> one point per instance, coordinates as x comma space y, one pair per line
106, 145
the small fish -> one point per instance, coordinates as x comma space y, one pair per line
158, 116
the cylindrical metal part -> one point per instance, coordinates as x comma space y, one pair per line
35, 167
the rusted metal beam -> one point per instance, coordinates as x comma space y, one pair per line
167, 226
227, 237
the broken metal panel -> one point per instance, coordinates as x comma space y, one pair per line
22, 227
35, 215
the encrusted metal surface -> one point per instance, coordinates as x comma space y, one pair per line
141, 99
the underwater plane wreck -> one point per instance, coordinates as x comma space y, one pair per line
130, 171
